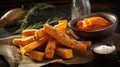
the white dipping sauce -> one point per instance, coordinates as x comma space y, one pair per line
104, 49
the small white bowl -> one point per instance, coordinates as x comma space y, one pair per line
104, 51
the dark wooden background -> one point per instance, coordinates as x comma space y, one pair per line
94, 3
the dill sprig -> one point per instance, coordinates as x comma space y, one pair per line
24, 23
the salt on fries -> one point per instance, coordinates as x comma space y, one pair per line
49, 36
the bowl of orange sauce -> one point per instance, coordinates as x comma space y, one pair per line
94, 26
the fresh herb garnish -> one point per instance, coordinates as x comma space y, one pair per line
24, 23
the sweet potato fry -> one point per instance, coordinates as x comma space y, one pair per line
23, 36
23, 41
40, 33
63, 21
64, 39
35, 55
64, 53
87, 43
60, 27
31, 46
50, 48
29, 32
16, 41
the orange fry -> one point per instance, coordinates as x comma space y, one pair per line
35, 55
33, 45
29, 32
40, 33
64, 53
50, 48
65, 39
23, 41
60, 27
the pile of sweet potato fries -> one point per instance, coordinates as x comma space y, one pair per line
49, 41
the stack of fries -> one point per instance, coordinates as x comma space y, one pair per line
48, 42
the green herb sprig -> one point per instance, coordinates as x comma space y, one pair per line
24, 23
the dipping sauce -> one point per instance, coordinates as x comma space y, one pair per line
104, 49
93, 23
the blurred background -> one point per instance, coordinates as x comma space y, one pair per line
94, 3
63, 7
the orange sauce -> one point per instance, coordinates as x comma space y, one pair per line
93, 23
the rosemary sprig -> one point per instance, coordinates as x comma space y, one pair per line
24, 23
41, 6
41, 24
